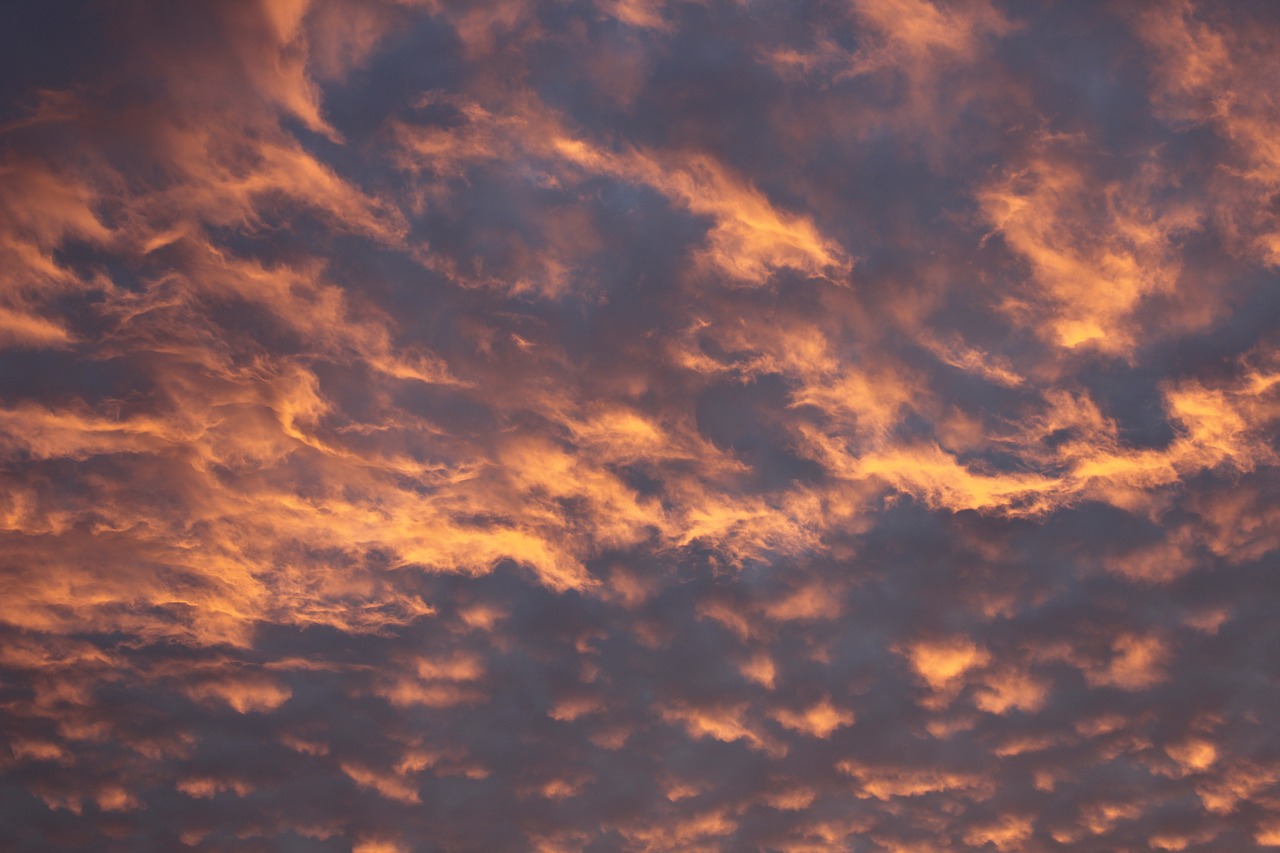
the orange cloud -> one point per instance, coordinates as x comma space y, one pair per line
638, 424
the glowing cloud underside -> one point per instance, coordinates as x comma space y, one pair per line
639, 425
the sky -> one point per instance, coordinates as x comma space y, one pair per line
639, 425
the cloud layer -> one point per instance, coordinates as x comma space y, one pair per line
639, 425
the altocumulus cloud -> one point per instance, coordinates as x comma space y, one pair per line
639, 425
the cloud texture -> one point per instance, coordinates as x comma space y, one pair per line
639, 425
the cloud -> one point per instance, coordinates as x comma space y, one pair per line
638, 425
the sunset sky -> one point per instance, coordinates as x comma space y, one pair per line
639, 425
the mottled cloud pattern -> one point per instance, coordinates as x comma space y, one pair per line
639, 425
